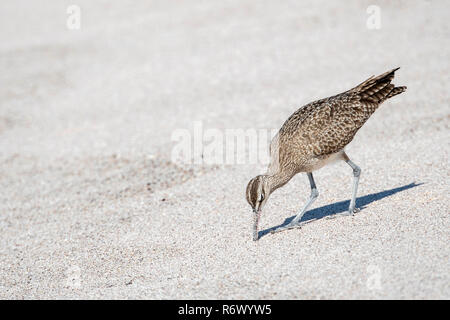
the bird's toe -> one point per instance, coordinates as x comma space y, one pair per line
286, 227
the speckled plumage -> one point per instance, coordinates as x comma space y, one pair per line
322, 128
317, 133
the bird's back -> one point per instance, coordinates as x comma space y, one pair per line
324, 127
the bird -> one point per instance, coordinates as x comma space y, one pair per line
314, 136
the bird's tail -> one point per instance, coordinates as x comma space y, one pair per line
396, 91
378, 89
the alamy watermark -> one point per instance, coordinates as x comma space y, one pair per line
73, 21
73, 277
229, 146
374, 20
373, 281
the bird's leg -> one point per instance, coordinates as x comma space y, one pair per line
295, 222
356, 174
312, 198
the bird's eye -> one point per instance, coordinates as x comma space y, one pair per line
262, 197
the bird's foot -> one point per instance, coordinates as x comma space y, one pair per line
292, 225
286, 227
350, 212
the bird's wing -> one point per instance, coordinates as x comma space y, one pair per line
339, 119
326, 126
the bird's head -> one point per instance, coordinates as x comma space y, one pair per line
258, 191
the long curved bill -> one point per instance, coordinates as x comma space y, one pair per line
256, 215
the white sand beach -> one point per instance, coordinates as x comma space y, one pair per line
92, 207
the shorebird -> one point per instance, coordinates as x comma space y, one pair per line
316, 135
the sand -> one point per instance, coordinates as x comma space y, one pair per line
92, 207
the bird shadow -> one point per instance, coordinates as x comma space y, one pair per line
340, 207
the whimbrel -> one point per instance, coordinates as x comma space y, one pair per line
315, 135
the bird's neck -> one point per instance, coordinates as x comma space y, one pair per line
278, 179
